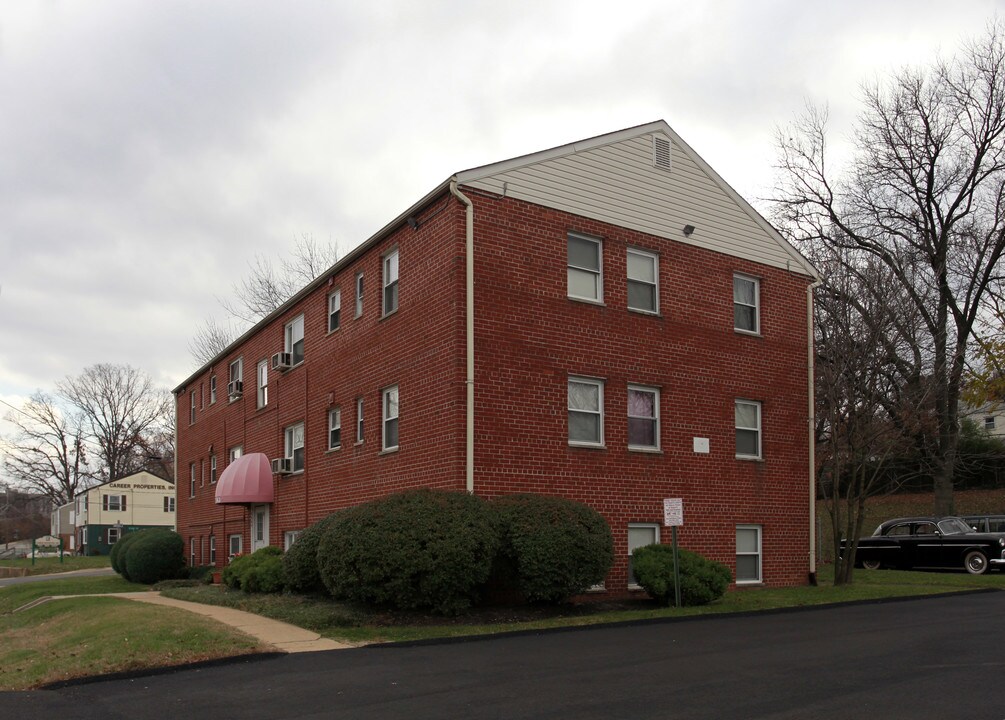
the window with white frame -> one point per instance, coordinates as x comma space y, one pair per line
191, 551
643, 417
114, 534
113, 502
235, 387
585, 274
290, 537
359, 294
295, 340
989, 422
212, 549
335, 428
235, 544
748, 554
359, 420
640, 535
191, 408
212, 389
212, 469
390, 282
191, 479
643, 281
168, 503
236, 452
746, 304
334, 310
586, 411
263, 383
389, 434
295, 446
748, 429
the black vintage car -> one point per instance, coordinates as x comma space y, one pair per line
927, 542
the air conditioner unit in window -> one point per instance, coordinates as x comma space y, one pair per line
234, 389
282, 466
282, 361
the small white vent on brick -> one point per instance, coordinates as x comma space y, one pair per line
661, 152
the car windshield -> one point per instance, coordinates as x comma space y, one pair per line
953, 526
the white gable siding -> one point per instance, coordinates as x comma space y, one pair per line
617, 183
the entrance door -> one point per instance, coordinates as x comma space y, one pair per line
259, 526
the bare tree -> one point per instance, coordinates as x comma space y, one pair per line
264, 289
48, 454
925, 195
121, 409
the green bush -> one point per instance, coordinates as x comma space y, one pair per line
553, 548
260, 572
201, 574
701, 580
416, 549
157, 554
119, 551
300, 563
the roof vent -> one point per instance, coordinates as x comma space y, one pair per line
661, 152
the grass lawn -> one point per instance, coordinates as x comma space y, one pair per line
45, 566
16, 596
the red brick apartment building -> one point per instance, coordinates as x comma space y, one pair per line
606, 321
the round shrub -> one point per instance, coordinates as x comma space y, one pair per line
260, 572
701, 580
300, 563
416, 549
157, 555
553, 547
117, 555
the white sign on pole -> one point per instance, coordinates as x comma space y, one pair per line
673, 512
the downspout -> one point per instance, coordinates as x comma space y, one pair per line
469, 331
811, 422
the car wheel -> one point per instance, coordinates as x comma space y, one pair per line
975, 562
870, 564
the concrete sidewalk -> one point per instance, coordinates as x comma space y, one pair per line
280, 635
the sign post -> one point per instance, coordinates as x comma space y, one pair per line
673, 517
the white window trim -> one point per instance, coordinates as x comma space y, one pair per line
212, 549
756, 305
385, 283
333, 414
235, 452
213, 477
191, 479
169, 504
262, 392
230, 545
760, 555
656, 283
656, 417
385, 418
656, 539
358, 291
191, 411
600, 399
289, 339
290, 537
599, 300
759, 429
289, 449
334, 306
212, 389
359, 421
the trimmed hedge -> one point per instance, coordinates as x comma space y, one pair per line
553, 547
415, 549
260, 572
300, 563
117, 555
155, 554
701, 580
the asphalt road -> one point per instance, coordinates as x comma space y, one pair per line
935, 658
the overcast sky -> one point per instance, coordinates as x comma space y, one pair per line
148, 149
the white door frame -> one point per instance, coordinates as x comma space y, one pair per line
259, 540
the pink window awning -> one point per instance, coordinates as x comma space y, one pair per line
246, 480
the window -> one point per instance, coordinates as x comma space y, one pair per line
234, 545
989, 423
113, 502
746, 304
114, 534
334, 428
390, 282
168, 503
236, 452
202, 473
191, 409
191, 479
295, 340
212, 389
212, 469
586, 280
389, 435
643, 417
236, 385
640, 535
290, 537
748, 429
643, 281
295, 446
748, 554
334, 310
586, 411
263, 383
212, 549
359, 294
359, 420
191, 551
